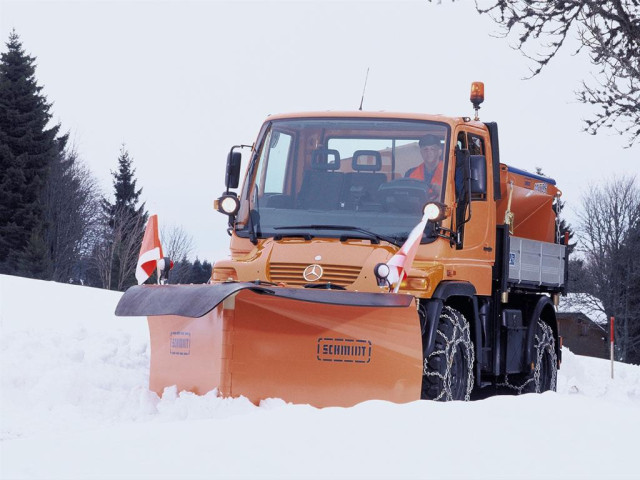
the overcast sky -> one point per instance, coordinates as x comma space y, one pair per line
181, 82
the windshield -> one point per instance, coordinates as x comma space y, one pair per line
372, 176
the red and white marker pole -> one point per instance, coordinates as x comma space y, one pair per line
611, 343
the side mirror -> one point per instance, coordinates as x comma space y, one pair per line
232, 177
478, 176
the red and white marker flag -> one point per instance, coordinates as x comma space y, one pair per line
150, 251
611, 337
401, 262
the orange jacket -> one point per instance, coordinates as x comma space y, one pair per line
418, 173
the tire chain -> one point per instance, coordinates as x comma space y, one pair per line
461, 337
548, 343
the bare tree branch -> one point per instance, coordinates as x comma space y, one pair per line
72, 210
609, 31
176, 243
609, 230
130, 227
116, 251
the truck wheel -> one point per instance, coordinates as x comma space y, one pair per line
544, 371
448, 370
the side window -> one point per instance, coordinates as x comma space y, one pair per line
476, 144
273, 163
461, 143
476, 147
278, 157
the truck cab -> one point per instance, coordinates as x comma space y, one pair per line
339, 186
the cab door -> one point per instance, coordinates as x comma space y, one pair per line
474, 256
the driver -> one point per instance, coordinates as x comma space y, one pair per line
430, 170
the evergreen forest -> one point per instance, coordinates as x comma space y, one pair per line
55, 222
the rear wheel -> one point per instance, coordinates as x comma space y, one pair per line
448, 370
544, 368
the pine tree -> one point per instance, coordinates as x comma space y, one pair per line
200, 272
181, 271
27, 148
564, 227
124, 223
124, 185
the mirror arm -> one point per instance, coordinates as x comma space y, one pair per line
452, 235
468, 192
467, 196
466, 220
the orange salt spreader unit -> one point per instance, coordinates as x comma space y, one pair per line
320, 301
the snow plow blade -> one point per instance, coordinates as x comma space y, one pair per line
322, 347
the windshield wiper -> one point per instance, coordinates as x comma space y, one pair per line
371, 235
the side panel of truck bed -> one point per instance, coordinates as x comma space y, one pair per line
532, 262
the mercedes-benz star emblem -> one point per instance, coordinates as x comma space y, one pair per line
312, 273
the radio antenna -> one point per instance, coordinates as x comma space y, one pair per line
364, 88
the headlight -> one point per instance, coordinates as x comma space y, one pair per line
227, 204
435, 211
381, 270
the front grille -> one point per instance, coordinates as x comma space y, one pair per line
291, 274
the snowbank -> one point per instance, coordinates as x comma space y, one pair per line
74, 404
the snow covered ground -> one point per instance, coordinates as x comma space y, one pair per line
74, 404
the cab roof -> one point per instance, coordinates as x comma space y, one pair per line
377, 115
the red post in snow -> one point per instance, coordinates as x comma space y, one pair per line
611, 339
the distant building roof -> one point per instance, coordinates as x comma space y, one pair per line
586, 304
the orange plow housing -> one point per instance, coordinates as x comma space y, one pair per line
262, 345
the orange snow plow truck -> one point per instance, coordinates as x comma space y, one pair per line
306, 309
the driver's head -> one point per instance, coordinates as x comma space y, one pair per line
431, 149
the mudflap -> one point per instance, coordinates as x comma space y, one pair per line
324, 348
